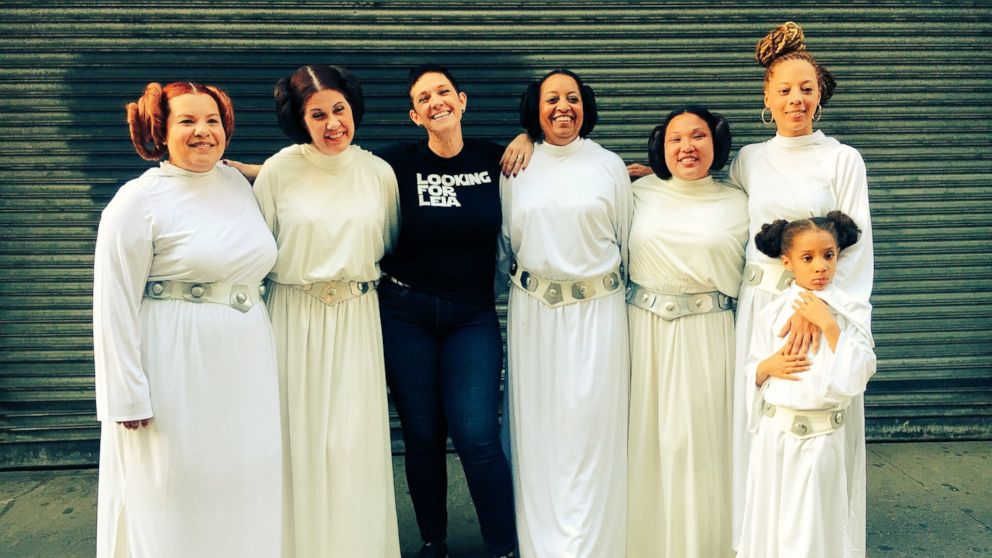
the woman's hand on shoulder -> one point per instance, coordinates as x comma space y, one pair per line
134, 424
517, 155
804, 335
637, 170
250, 171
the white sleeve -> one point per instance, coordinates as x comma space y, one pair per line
762, 347
624, 216
122, 262
856, 267
504, 250
265, 188
735, 176
853, 364
391, 196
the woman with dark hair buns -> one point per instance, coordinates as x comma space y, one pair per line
797, 174
186, 383
565, 223
332, 208
797, 498
686, 259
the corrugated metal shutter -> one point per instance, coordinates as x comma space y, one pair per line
915, 90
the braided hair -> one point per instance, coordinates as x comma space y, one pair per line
788, 42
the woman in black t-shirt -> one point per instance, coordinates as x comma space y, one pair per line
440, 331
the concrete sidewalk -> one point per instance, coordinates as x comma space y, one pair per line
930, 500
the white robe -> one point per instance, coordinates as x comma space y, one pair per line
205, 477
792, 178
687, 237
567, 218
333, 218
797, 494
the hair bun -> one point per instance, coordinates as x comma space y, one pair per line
782, 40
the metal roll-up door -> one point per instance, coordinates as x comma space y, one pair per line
915, 85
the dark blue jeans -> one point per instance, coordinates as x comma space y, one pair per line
443, 363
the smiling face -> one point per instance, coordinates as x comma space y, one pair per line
688, 147
560, 109
194, 133
437, 106
792, 93
812, 258
329, 121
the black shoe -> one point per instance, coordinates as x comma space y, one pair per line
433, 550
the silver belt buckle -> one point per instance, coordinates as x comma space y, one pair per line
582, 290
785, 281
529, 282
328, 294
196, 292
553, 293
701, 303
240, 298
753, 275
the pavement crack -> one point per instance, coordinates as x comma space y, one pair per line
9, 502
971, 515
898, 468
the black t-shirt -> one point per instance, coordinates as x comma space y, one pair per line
451, 218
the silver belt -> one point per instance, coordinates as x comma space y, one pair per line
772, 278
333, 292
804, 424
237, 296
675, 306
557, 293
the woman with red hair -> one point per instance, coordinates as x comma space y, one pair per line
186, 384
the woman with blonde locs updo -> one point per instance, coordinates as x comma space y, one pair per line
565, 224
186, 384
797, 501
332, 207
800, 173
686, 258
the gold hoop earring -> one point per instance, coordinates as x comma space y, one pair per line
763, 121
818, 113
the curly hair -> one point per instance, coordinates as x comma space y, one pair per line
719, 131
530, 112
788, 42
775, 238
147, 117
291, 94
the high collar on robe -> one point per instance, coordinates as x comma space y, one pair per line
332, 163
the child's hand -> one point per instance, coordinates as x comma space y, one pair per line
782, 365
809, 306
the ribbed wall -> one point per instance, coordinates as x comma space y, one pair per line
915, 86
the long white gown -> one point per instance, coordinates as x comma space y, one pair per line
793, 178
567, 218
333, 218
205, 477
687, 237
797, 501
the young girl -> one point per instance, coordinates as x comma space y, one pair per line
798, 499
